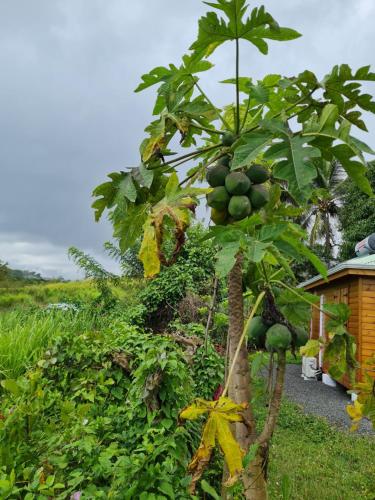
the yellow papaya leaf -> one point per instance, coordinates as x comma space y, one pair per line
156, 141
364, 406
311, 348
216, 430
203, 454
232, 451
195, 410
149, 252
355, 411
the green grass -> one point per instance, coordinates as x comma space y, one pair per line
25, 335
319, 460
81, 292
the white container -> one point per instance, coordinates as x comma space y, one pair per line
328, 380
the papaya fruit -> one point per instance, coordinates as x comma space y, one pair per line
278, 338
218, 198
237, 183
228, 139
224, 160
256, 332
257, 174
302, 337
216, 175
259, 196
219, 216
239, 207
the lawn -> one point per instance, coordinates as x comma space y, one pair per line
312, 459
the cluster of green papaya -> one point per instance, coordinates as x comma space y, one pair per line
235, 194
275, 338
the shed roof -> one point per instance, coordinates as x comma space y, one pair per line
358, 264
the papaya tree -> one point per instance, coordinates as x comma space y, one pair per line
257, 153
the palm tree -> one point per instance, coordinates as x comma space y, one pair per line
322, 213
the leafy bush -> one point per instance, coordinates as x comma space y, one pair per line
192, 272
99, 416
208, 371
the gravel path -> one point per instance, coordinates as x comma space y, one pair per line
319, 399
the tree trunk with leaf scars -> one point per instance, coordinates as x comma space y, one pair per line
240, 388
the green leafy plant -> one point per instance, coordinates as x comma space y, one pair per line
102, 278
272, 142
98, 416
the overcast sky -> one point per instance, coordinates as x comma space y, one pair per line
68, 114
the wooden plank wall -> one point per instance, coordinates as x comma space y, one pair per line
346, 291
367, 340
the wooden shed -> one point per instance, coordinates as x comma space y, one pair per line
353, 283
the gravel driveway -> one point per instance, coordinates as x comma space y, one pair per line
319, 399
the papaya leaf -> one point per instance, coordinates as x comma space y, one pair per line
191, 65
341, 313
176, 206
311, 348
364, 406
341, 90
355, 412
295, 307
271, 232
156, 140
260, 25
172, 186
156, 75
355, 170
254, 145
259, 92
147, 175
335, 355
293, 155
216, 431
226, 258
149, 252
128, 225
127, 188
340, 354
255, 250
303, 251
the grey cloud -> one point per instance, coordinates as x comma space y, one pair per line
68, 112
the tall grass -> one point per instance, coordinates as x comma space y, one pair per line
24, 336
81, 292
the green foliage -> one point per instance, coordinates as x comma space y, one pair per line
67, 429
192, 272
4, 271
356, 216
24, 335
304, 270
259, 26
208, 372
102, 278
129, 261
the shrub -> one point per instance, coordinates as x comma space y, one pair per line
192, 273
99, 416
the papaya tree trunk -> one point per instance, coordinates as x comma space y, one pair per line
239, 388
